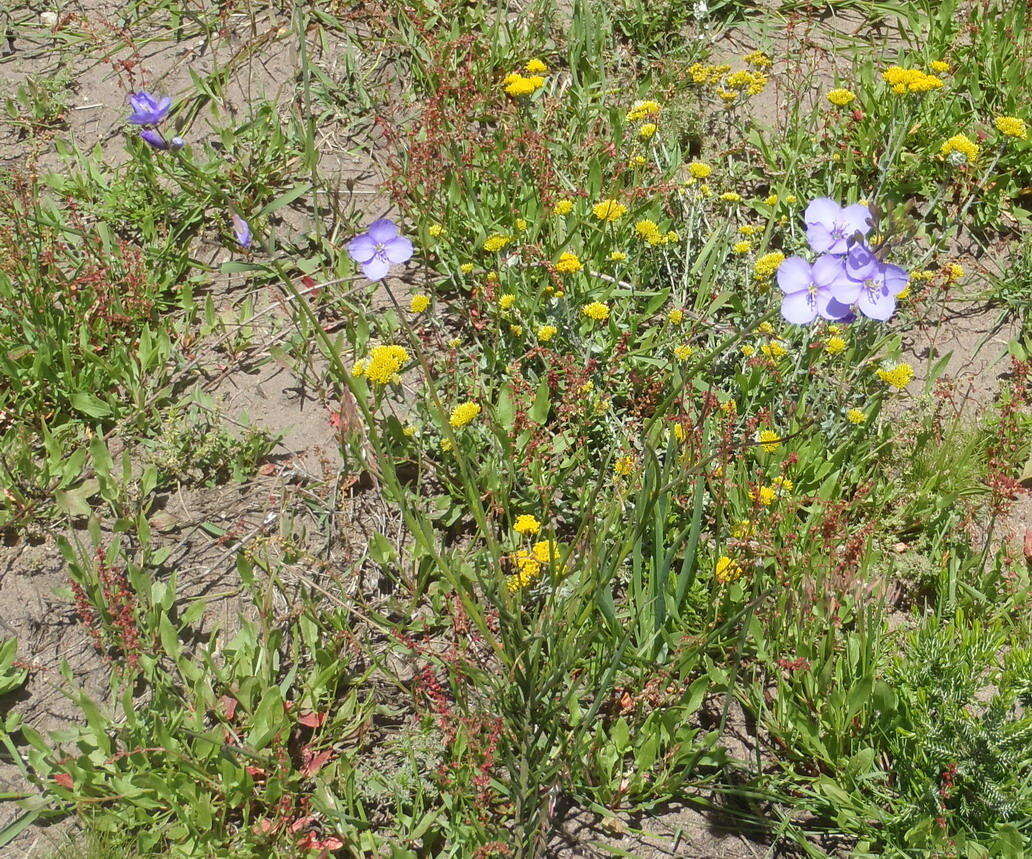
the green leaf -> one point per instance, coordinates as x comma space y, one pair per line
285, 199
90, 405
539, 411
505, 409
13, 829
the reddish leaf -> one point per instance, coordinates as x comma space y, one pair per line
312, 720
314, 762
64, 780
229, 706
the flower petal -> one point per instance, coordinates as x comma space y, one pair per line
382, 231
827, 270
798, 308
896, 279
857, 218
822, 210
838, 312
398, 249
845, 291
376, 268
877, 304
362, 248
794, 275
861, 263
820, 238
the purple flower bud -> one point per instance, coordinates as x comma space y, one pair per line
153, 137
241, 229
176, 143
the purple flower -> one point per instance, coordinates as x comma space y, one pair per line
870, 284
241, 229
147, 109
378, 248
809, 289
830, 228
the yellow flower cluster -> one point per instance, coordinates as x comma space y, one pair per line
562, 207
506, 301
675, 316
495, 243
765, 267
649, 230
517, 84
834, 345
768, 440
546, 333
646, 131
731, 197
960, 148
699, 169
419, 302
727, 570
617, 256
526, 524
910, 80
463, 413
596, 310
940, 67
751, 82
742, 247
1011, 126
683, 352
897, 377
855, 416
840, 97
643, 110
568, 263
528, 564
707, 74
623, 466
609, 210
382, 365
729, 85
435, 230
763, 495
774, 350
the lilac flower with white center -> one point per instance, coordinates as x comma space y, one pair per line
241, 229
830, 228
378, 248
809, 289
148, 109
872, 285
